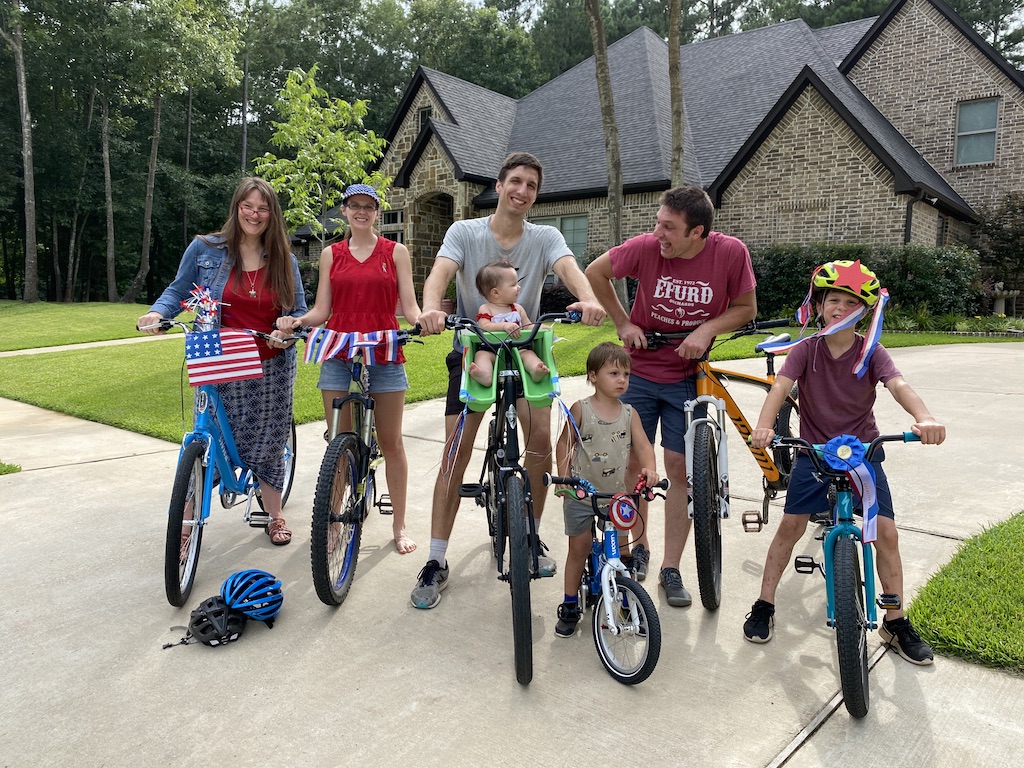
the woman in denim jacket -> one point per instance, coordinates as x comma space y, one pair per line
250, 270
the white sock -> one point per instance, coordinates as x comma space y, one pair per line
438, 549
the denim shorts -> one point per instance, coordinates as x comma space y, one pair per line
807, 495
656, 402
335, 376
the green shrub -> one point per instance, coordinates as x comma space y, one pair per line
947, 280
948, 322
923, 318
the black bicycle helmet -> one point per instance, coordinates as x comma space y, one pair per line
214, 623
255, 593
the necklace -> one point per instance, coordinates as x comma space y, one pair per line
252, 282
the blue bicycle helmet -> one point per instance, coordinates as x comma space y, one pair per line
255, 593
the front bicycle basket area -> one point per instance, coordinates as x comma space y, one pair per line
538, 393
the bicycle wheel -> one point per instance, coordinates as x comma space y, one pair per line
631, 655
289, 472
184, 534
851, 626
707, 522
338, 514
519, 578
787, 424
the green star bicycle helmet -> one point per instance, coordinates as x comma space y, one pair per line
849, 276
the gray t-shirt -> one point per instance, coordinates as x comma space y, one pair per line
470, 244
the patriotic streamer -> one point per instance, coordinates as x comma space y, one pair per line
451, 448
874, 333
324, 344
846, 453
564, 420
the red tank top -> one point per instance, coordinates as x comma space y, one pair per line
240, 310
364, 294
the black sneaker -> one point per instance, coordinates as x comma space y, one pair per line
641, 561
429, 584
675, 593
760, 624
568, 617
900, 635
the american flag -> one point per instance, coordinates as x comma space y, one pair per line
324, 344
217, 357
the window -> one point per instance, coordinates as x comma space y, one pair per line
389, 218
573, 229
976, 131
424, 114
398, 237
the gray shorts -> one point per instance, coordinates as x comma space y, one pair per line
579, 515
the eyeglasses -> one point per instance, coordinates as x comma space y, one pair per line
354, 207
248, 210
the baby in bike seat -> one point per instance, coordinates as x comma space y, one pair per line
499, 284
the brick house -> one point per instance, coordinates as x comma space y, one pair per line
887, 130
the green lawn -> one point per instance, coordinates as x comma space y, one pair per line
974, 606
42, 324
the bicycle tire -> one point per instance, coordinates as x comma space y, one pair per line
630, 657
851, 626
519, 578
338, 515
707, 522
183, 542
787, 424
289, 472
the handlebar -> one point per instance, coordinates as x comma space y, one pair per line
166, 324
660, 339
584, 488
456, 322
834, 448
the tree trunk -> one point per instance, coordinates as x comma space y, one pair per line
14, 40
245, 111
675, 84
611, 133
58, 283
108, 203
147, 224
188, 164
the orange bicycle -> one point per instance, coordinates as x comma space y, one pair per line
707, 459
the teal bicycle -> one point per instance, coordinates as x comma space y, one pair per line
849, 590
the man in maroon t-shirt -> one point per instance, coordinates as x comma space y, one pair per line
689, 279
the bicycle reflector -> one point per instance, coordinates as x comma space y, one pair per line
844, 452
623, 512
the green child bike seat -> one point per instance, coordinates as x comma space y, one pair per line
538, 393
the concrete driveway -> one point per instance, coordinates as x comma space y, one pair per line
85, 680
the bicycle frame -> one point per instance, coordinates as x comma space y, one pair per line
362, 424
844, 526
605, 565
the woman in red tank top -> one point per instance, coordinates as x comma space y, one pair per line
361, 280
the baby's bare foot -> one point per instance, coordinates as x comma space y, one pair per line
481, 375
539, 371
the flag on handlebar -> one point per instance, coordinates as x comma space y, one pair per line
217, 357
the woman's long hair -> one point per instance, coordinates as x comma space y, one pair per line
274, 239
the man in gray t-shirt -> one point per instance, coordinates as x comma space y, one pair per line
534, 251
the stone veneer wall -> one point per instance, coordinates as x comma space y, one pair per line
916, 73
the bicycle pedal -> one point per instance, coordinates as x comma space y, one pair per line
470, 490
384, 505
259, 519
805, 564
752, 522
889, 601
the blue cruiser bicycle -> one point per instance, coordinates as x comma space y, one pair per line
209, 461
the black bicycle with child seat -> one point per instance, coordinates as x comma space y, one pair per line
627, 630
707, 459
504, 488
346, 488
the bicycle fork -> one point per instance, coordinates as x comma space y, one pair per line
722, 453
610, 566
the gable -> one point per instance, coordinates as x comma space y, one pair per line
951, 65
